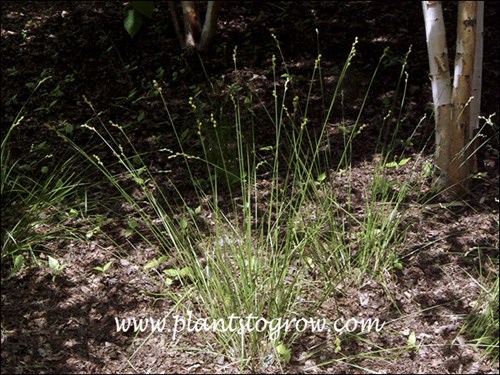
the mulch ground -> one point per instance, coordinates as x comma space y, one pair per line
68, 325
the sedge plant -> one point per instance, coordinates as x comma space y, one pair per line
258, 253
39, 196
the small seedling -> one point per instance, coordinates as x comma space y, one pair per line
92, 232
194, 212
18, 264
69, 128
131, 228
321, 177
397, 264
183, 223
12, 71
104, 268
284, 352
72, 213
55, 266
412, 341
177, 273
156, 262
427, 169
395, 164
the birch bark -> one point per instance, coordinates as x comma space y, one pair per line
210, 24
475, 108
460, 150
441, 86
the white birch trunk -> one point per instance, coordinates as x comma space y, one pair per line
175, 20
192, 27
441, 89
194, 36
460, 149
475, 106
210, 24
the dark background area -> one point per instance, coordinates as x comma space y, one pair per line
84, 49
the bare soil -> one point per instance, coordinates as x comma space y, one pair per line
68, 325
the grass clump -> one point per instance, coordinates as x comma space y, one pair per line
38, 192
482, 323
265, 224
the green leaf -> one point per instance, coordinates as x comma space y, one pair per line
133, 223
156, 262
73, 213
175, 272
404, 161
427, 170
41, 145
44, 169
106, 266
100, 219
59, 184
322, 177
69, 128
194, 212
398, 266
140, 117
395, 164
128, 232
185, 272
412, 340
53, 263
168, 281
392, 164
133, 22
18, 263
284, 352
183, 223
